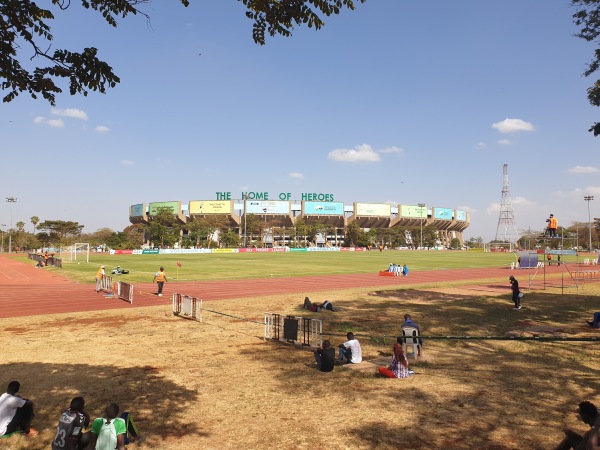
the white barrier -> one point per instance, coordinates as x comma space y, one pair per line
125, 291
188, 307
104, 284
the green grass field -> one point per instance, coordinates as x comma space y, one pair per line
224, 266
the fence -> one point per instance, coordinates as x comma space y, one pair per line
52, 261
298, 330
186, 306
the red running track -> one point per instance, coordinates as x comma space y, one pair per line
27, 291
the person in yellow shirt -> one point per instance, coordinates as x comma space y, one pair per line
99, 277
161, 278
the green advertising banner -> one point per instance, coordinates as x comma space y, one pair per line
298, 250
173, 206
413, 211
150, 251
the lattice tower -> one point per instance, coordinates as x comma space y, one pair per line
507, 229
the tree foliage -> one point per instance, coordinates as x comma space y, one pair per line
26, 33
587, 18
59, 230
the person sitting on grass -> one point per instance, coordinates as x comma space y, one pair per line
39, 264
399, 365
325, 357
596, 322
588, 414
72, 422
350, 350
16, 413
108, 432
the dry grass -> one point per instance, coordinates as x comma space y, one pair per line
217, 385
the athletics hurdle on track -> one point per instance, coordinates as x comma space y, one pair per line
298, 330
124, 291
105, 284
188, 307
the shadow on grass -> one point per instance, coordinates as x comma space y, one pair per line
493, 395
141, 390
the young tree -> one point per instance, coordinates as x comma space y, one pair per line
26, 34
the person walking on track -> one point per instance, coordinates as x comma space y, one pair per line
161, 278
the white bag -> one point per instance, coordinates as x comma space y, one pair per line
520, 295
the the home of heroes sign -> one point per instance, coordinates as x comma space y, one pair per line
252, 195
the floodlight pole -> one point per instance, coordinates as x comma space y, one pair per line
2, 229
12, 200
588, 199
421, 205
245, 197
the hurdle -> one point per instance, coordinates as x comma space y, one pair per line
298, 330
187, 307
124, 291
105, 284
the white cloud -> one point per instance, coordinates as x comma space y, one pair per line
102, 129
126, 162
71, 112
39, 119
594, 190
56, 123
361, 153
522, 201
512, 125
296, 175
481, 145
584, 169
504, 142
392, 149
493, 208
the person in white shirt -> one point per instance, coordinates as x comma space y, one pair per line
350, 350
16, 413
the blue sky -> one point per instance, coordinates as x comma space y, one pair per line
397, 101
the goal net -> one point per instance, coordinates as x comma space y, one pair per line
80, 252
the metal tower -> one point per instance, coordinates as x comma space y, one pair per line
507, 230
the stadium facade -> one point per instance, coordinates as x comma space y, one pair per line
313, 208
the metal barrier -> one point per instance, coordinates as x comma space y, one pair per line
52, 261
104, 284
298, 330
186, 306
125, 291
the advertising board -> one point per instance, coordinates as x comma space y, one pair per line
137, 210
172, 206
211, 207
323, 208
413, 211
442, 213
461, 215
373, 209
267, 207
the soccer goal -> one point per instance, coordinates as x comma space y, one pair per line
80, 252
